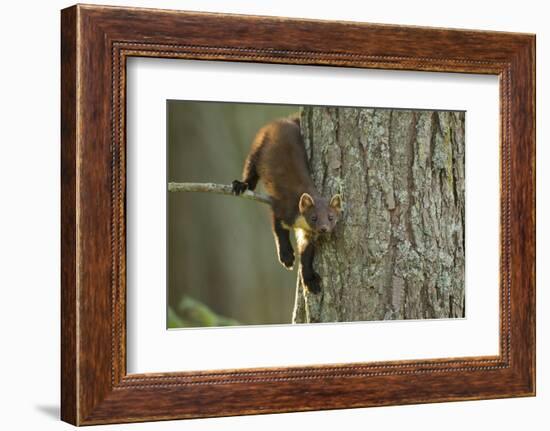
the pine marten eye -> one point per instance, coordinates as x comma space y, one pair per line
330, 218
314, 218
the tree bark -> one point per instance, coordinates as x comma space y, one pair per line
398, 250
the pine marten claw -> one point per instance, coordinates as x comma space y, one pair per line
313, 285
238, 187
287, 259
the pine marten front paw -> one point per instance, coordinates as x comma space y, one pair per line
313, 283
286, 257
238, 187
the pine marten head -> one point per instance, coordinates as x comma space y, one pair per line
319, 215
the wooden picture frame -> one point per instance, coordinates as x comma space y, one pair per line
95, 43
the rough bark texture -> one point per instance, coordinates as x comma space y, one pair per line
398, 251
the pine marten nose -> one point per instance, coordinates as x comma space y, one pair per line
324, 229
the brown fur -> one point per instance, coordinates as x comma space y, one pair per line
278, 157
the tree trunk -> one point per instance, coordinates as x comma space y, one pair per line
398, 250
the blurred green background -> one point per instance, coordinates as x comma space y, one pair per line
222, 262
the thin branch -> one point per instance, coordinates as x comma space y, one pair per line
220, 189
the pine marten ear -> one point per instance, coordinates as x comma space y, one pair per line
336, 202
306, 202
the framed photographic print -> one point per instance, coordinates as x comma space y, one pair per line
316, 215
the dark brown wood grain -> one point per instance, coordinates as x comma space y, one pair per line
96, 41
68, 216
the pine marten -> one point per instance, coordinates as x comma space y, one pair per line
278, 158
